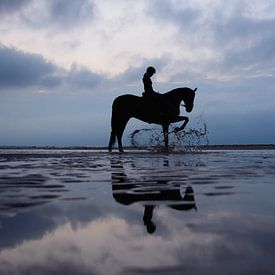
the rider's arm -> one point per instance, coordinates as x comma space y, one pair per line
148, 88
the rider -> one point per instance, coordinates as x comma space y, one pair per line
147, 82
156, 102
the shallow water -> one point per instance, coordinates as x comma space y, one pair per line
91, 212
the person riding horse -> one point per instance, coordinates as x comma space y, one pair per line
147, 82
152, 107
153, 98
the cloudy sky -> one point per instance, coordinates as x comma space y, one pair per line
62, 62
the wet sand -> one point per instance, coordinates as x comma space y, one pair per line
90, 212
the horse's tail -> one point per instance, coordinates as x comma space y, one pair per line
113, 133
114, 125
121, 113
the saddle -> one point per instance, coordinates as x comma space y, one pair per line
155, 103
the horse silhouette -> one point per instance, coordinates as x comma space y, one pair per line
162, 109
150, 192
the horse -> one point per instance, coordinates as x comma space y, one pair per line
162, 109
150, 192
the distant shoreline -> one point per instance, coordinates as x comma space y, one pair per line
240, 147
204, 147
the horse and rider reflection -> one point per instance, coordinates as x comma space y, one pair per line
150, 192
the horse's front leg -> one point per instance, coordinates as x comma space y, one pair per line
181, 118
165, 128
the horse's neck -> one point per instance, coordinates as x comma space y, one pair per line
177, 97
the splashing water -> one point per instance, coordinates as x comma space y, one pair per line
190, 140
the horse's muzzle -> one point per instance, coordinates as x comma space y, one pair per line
188, 109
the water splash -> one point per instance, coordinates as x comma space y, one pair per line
189, 140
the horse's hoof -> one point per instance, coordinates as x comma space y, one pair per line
110, 149
121, 150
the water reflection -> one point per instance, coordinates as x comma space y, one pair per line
19, 191
150, 193
101, 235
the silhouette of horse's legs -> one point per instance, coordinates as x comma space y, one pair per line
119, 133
180, 118
112, 141
120, 148
165, 128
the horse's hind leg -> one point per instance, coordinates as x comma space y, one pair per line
120, 133
120, 148
112, 141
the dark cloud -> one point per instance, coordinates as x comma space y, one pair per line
246, 45
24, 69
168, 12
80, 77
12, 5
238, 25
19, 70
62, 14
135, 74
243, 42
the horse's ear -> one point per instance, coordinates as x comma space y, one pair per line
195, 89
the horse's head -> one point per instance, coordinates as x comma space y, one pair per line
189, 100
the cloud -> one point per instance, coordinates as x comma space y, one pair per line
24, 69
81, 77
219, 41
65, 11
243, 40
133, 74
20, 70
11, 6
254, 52
174, 13
58, 14
61, 14
224, 49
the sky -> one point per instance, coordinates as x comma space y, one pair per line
62, 63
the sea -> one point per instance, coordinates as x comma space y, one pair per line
88, 211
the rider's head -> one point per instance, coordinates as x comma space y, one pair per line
151, 227
150, 70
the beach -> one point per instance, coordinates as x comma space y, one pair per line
88, 211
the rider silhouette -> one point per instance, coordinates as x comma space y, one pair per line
147, 82
153, 98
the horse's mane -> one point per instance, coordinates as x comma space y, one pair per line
179, 90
